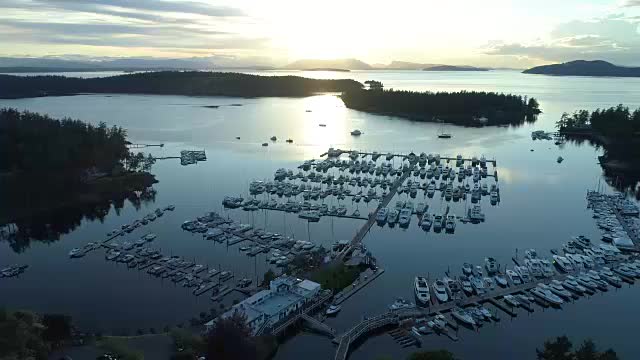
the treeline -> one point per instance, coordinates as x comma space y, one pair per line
38, 143
617, 121
26, 335
463, 107
194, 83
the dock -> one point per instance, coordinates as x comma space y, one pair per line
339, 152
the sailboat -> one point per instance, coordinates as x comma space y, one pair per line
441, 133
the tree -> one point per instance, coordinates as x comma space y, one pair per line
230, 338
57, 327
561, 349
268, 277
431, 355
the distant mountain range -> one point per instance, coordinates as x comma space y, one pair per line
454, 68
355, 64
585, 68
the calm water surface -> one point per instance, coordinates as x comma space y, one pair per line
542, 205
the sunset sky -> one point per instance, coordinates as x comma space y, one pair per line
514, 33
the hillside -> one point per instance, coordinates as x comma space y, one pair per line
585, 68
308, 64
191, 83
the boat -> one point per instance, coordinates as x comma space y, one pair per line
421, 290
426, 222
382, 214
491, 265
265, 144
562, 263
560, 159
273, 138
356, 132
440, 291
557, 288
477, 284
401, 303
450, 224
511, 300
571, 284
501, 280
546, 294
514, 277
333, 309
523, 271
405, 217
467, 269
76, 253
392, 217
463, 316
534, 266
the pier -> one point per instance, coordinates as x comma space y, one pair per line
339, 152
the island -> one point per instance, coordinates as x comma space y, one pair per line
467, 108
454, 68
50, 166
329, 69
616, 129
190, 83
585, 68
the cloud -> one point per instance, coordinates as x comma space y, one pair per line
631, 3
613, 38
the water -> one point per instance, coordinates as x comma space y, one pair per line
542, 205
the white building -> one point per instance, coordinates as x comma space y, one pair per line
285, 295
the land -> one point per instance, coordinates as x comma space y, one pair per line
461, 108
454, 68
190, 83
585, 68
52, 164
308, 64
329, 69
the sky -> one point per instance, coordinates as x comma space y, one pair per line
497, 33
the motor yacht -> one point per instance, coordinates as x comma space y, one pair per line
514, 277
511, 300
440, 291
524, 273
76, 253
463, 316
426, 222
556, 287
546, 294
401, 303
562, 263
405, 217
477, 284
466, 285
467, 269
534, 266
530, 254
547, 268
421, 290
501, 279
450, 223
572, 284
491, 265
333, 309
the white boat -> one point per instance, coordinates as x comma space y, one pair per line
523, 271
421, 290
511, 300
530, 254
426, 222
76, 252
405, 217
381, 216
547, 295
438, 222
450, 224
440, 291
547, 268
534, 266
557, 288
491, 265
467, 269
562, 263
501, 280
333, 309
573, 285
477, 284
514, 277
463, 316
401, 303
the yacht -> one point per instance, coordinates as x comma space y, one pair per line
547, 268
586, 282
556, 287
491, 265
440, 291
582, 241
356, 132
571, 284
438, 222
534, 266
588, 286
450, 224
76, 253
421, 289
530, 254
466, 285
392, 217
333, 309
467, 269
547, 295
478, 284
511, 300
611, 278
501, 280
401, 303
463, 316
523, 271
426, 222
475, 213
562, 263
515, 278
405, 217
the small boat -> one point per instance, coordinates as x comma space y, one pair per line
511, 300
421, 290
491, 265
290, 141
478, 284
560, 159
546, 294
463, 316
333, 309
273, 138
76, 253
356, 132
440, 291
401, 303
501, 279
515, 278
265, 144
467, 269
557, 288
322, 125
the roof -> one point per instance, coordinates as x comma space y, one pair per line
309, 285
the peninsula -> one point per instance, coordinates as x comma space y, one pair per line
585, 68
467, 108
190, 83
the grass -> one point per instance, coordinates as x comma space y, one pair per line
336, 277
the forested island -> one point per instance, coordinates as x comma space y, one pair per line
585, 68
48, 165
617, 129
191, 83
469, 108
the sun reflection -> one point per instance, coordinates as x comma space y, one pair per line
324, 123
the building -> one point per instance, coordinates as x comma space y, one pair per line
285, 295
